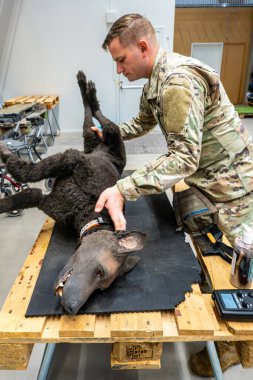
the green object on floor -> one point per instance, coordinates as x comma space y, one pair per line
243, 109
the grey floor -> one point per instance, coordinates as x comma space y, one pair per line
90, 361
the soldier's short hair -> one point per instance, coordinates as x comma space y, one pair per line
129, 28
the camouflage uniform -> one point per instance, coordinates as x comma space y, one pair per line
207, 144
233, 214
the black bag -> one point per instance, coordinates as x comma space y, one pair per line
196, 215
193, 210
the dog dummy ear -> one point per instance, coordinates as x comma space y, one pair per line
129, 264
129, 241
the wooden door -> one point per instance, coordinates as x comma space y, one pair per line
232, 70
233, 27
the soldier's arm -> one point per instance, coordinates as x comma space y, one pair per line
183, 115
141, 124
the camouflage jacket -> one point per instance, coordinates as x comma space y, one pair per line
207, 144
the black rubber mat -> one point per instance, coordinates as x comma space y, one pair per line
165, 273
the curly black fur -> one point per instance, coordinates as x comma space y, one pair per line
80, 176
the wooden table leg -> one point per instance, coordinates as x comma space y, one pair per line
15, 356
136, 355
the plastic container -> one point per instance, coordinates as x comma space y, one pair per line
241, 275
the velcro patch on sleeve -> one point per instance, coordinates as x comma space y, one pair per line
176, 105
180, 81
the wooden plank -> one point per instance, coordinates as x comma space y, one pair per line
218, 272
52, 101
12, 101
135, 355
77, 325
241, 328
228, 329
221, 330
170, 331
169, 324
49, 100
23, 100
144, 364
53, 98
27, 99
103, 327
20, 327
196, 289
193, 317
33, 99
42, 99
12, 316
51, 106
135, 351
136, 325
51, 329
14, 356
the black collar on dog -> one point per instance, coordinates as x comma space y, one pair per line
98, 222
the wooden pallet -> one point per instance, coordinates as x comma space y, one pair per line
49, 100
137, 337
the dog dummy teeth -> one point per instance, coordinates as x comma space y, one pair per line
59, 289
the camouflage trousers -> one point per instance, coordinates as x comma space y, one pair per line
232, 216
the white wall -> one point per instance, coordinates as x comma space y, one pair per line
6, 10
7, 33
55, 38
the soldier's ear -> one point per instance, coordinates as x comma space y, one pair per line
143, 46
129, 241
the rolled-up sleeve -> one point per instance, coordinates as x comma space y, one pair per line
182, 119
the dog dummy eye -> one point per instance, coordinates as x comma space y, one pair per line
100, 272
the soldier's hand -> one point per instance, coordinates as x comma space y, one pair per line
113, 200
98, 131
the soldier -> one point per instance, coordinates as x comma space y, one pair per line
207, 144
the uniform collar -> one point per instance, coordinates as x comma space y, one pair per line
152, 85
165, 64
